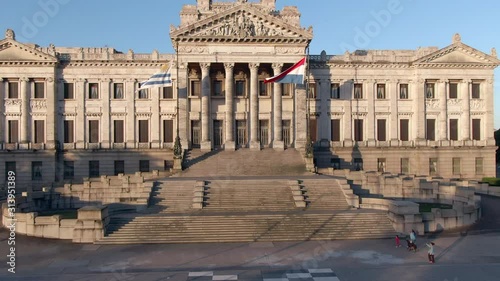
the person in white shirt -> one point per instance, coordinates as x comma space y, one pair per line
430, 253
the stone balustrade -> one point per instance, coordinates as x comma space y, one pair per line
297, 193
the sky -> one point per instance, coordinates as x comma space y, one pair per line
338, 25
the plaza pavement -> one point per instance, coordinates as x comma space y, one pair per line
472, 254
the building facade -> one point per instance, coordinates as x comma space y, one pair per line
69, 113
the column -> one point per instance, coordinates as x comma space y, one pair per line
182, 99
419, 120
443, 111
130, 118
346, 91
323, 94
105, 125
206, 144
300, 127
489, 106
465, 89
3, 95
393, 93
229, 143
80, 128
51, 126
254, 106
370, 122
25, 112
278, 143
156, 138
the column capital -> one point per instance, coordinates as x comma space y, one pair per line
49, 79
466, 81
277, 67
253, 65
443, 80
229, 65
205, 66
490, 81
24, 79
81, 80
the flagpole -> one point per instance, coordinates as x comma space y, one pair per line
308, 110
177, 144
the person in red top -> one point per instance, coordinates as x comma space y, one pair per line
398, 242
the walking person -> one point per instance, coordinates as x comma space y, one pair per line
413, 236
398, 241
430, 253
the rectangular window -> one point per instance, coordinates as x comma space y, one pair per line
403, 91
476, 91
13, 90
313, 129
454, 129
118, 134
380, 91
312, 91
168, 130
39, 90
335, 91
240, 88
263, 90
39, 131
10, 166
68, 131
287, 89
93, 131
93, 91
476, 129
405, 165
358, 91
13, 136
195, 88
335, 130
381, 130
168, 92
143, 94
119, 167
358, 130
358, 164
381, 165
479, 165
453, 90
404, 129
118, 91
143, 131
429, 91
69, 91
431, 130
433, 166
69, 170
217, 90
36, 170
456, 166
144, 166
94, 169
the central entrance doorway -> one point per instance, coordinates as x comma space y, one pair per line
218, 133
241, 133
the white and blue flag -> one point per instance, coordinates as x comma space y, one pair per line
159, 79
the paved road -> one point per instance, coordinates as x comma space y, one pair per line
458, 258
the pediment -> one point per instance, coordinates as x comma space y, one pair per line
458, 54
11, 50
242, 23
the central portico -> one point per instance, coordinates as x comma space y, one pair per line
225, 51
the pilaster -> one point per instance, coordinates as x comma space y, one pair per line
300, 117
51, 126
229, 143
346, 91
419, 121
155, 117
105, 85
370, 97
278, 143
465, 88
3, 96
254, 106
25, 112
130, 118
443, 111
489, 122
393, 93
182, 99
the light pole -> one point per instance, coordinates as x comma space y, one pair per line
177, 144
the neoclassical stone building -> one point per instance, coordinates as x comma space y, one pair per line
69, 113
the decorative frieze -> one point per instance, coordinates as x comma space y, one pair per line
432, 103
38, 104
12, 102
477, 104
93, 114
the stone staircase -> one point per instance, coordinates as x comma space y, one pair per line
172, 196
249, 228
324, 194
249, 195
243, 162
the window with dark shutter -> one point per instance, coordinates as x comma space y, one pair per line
381, 130
36, 170
144, 166
168, 93
476, 91
39, 131
39, 90
168, 130
69, 170
118, 136
143, 131
313, 129
69, 91
118, 91
13, 131
13, 90
335, 130
68, 131
476, 129
454, 129
94, 169
119, 167
93, 131
453, 90
404, 132
358, 130
431, 130
93, 91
